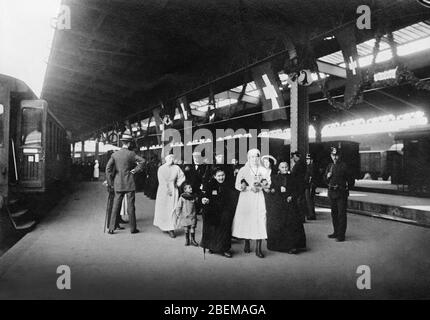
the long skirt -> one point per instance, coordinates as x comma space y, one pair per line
216, 233
250, 218
284, 225
164, 216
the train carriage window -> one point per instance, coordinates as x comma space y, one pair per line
1, 125
31, 127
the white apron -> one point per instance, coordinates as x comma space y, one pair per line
169, 178
250, 218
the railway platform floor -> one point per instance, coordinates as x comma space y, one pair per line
151, 265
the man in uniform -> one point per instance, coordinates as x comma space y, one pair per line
310, 187
339, 181
120, 171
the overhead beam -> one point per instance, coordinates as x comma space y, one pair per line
236, 95
331, 69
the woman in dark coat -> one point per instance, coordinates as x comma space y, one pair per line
285, 230
218, 213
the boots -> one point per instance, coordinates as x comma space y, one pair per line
258, 251
247, 248
172, 234
193, 240
187, 239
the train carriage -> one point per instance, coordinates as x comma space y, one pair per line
34, 151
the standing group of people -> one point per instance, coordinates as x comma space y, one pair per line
262, 200
86, 170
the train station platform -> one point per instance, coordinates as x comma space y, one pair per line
150, 265
400, 208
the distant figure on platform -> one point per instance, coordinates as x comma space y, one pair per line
96, 171
339, 181
250, 217
120, 171
218, 213
170, 178
310, 187
285, 230
90, 169
298, 173
186, 214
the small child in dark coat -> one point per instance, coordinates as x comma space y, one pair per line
186, 214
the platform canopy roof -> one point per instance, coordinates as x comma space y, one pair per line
123, 57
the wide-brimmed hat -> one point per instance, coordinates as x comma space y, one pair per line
268, 156
296, 153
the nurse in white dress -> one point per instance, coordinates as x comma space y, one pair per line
250, 218
170, 178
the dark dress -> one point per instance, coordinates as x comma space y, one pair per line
284, 224
152, 179
140, 179
217, 217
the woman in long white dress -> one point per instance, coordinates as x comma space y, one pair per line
170, 178
250, 217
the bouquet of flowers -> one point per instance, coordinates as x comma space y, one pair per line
258, 183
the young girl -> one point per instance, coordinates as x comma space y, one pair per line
186, 214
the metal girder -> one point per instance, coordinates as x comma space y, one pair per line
331, 69
246, 98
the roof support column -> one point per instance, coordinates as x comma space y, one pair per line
82, 150
299, 118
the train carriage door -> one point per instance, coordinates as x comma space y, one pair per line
4, 138
31, 144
